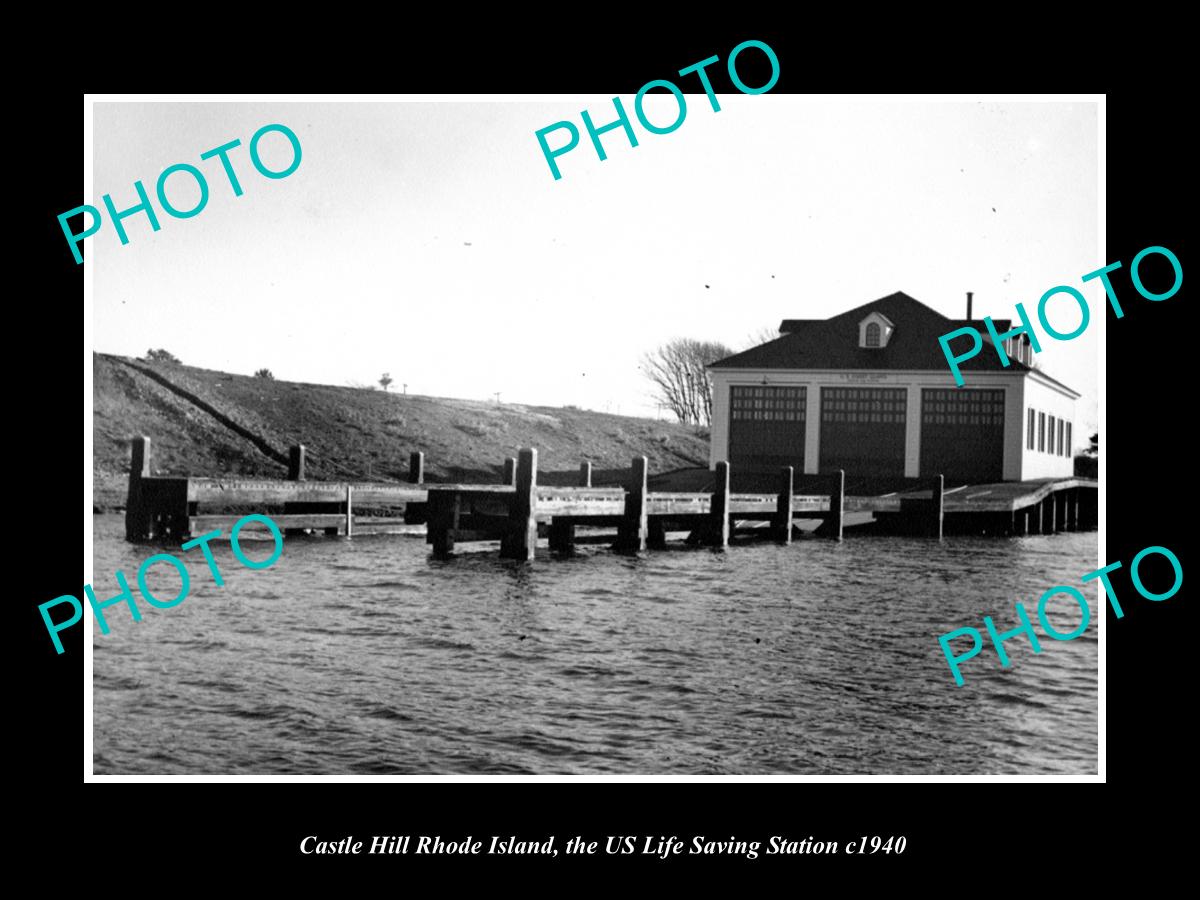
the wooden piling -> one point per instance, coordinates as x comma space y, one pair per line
521, 541
718, 529
510, 471
416, 467
656, 534
783, 505
349, 510
937, 513
1060, 509
585, 474
1072, 522
296, 454
562, 536
634, 527
832, 526
137, 515
1049, 522
1020, 521
443, 512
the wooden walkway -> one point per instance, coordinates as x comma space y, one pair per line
519, 510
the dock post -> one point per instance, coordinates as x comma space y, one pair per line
416, 467
1072, 523
938, 501
656, 535
718, 529
510, 471
634, 527
1060, 509
443, 511
783, 505
521, 541
1048, 519
137, 515
832, 526
296, 455
349, 510
1020, 522
562, 536
585, 474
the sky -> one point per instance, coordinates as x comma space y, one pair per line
430, 241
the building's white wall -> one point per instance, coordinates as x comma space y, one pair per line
812, 431
718, 443
1053, 401
1014, 424
1015, 466
912, 432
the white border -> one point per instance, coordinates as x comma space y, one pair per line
89, 777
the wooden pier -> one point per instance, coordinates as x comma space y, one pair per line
630, 516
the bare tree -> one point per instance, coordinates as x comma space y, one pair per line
678, 370
761, 336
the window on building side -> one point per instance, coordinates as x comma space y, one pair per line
1029, 429
1041, 432
873, 334
1050, 436
1069, 450
1061, 429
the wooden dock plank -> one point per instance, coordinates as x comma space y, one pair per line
261, 490
659, 504
561, 506
202, 524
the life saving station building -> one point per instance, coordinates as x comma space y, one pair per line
869, 391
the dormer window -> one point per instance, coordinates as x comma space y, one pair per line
875, 331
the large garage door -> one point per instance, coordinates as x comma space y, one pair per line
962, 434
862, 430
766, 428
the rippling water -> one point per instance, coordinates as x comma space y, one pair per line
366, 656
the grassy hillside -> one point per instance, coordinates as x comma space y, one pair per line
203, 422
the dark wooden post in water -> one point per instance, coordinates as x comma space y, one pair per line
521, 541
562, 530
718, 529
510, 471
938, 498
585, 474
1048, 520
1072, 522
442, 510
1060, 509
137, 515
634, 527
416, 467
656, 534
832, 526
1020, 521
349, 510
296, 463
783, 506
562, 536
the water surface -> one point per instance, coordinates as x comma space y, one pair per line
366, 656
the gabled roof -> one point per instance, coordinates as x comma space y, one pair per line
833, 343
